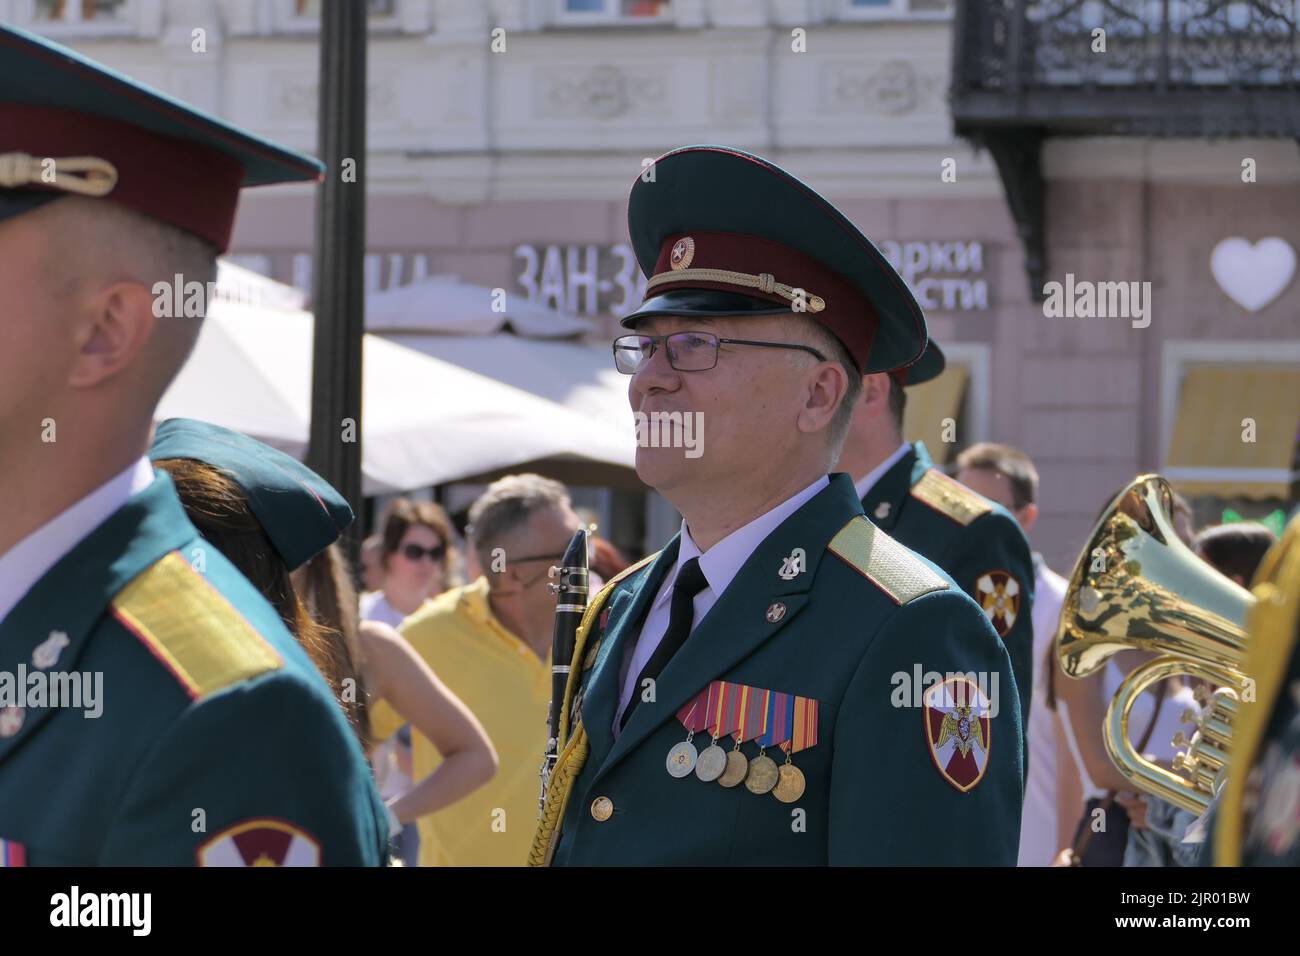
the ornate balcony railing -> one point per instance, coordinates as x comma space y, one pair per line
1024, 70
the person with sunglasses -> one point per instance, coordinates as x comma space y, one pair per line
415, 561
783, 683
489, 642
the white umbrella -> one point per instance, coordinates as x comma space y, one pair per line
578, 376
447, 305
427, 422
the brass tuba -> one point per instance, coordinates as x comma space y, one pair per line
1136, 586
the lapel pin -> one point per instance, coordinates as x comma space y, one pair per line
882, 510
47, 653
11, 721
775, 612
795, 565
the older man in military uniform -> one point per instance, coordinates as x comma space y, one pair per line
977, 541
213, 740
783, 683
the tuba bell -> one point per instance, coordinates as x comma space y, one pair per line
1136, 586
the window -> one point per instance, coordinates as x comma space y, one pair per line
303, 16
78, 11
1230, 412
961, 393
894, 9
606, 11
376, 8
79, 18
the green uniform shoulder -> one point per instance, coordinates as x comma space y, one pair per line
161, 607
950, 497
894, 569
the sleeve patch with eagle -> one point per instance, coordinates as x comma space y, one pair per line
958, 729
998, 594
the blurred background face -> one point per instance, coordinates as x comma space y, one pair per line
997, 487
411, 570
749, 401
531, 550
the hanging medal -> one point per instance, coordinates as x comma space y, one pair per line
790, 784
713, 759
762, 774
735, 700
681, 759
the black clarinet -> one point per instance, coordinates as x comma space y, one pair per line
570, 604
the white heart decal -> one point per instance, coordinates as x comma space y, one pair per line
1253, 276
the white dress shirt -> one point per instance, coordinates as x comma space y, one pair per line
720, 564
869, 480
1038, 819
23, 565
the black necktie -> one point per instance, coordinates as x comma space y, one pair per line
690, 582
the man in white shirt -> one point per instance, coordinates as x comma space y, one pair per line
153, 708
782, 684
1008, 476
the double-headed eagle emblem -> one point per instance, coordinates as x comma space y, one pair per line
962, 728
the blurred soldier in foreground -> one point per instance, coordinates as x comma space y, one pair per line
214, 740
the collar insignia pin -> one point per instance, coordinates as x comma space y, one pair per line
795, 565
775, 612
47, 653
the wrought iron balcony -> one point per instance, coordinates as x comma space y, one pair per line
1027, 69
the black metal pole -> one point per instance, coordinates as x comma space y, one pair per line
338, 278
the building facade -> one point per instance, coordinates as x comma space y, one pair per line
504, 137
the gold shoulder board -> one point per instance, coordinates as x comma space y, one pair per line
192, 629
950, 497
884, 562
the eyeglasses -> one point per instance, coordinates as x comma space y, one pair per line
687, 351
413, 552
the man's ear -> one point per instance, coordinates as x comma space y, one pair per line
1027, 516
875, 392
112, 329
824, 393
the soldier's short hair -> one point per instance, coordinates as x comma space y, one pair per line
151, 250
508, 504
897, 403
1012, 463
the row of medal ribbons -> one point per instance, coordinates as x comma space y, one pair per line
769, 718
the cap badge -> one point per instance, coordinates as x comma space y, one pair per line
683, 253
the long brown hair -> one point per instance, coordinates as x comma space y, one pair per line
329, 592
219, 509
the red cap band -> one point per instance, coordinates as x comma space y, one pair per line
181, 183
848, 314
